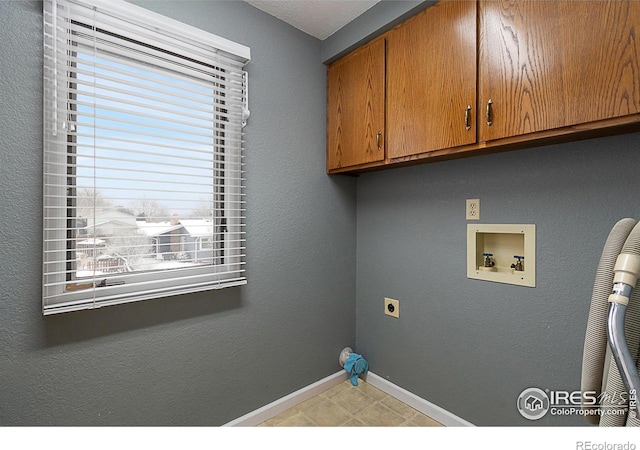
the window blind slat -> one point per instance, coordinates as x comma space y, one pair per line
135, 146
113, 64
143, 178
127, 62
202, 115
173, 145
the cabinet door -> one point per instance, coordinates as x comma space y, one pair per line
550, 64
355, 102
431, 80
601, 59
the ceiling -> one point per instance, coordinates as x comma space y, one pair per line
319, 18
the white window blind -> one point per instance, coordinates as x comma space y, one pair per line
143, 172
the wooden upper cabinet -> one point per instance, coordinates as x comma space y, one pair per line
355, 107
544, 65
431, 80
467, 77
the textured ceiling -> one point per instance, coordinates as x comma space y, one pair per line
319, 18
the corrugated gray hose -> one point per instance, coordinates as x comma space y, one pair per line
600, 372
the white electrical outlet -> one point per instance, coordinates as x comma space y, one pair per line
473, 209
392, 307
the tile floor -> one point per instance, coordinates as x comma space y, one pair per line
356, 406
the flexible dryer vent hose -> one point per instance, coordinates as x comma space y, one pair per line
626, 272
595, 344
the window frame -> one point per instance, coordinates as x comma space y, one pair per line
60, 293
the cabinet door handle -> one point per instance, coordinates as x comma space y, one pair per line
378, 140
467, 118
489, 120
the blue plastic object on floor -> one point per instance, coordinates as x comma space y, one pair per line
355, 365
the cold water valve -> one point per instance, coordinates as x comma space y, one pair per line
518, 265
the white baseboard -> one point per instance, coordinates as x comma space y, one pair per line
437, 413
274, 408
289, 401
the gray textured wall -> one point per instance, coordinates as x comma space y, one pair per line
196, 359
473, 346
469, 346
381, 17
